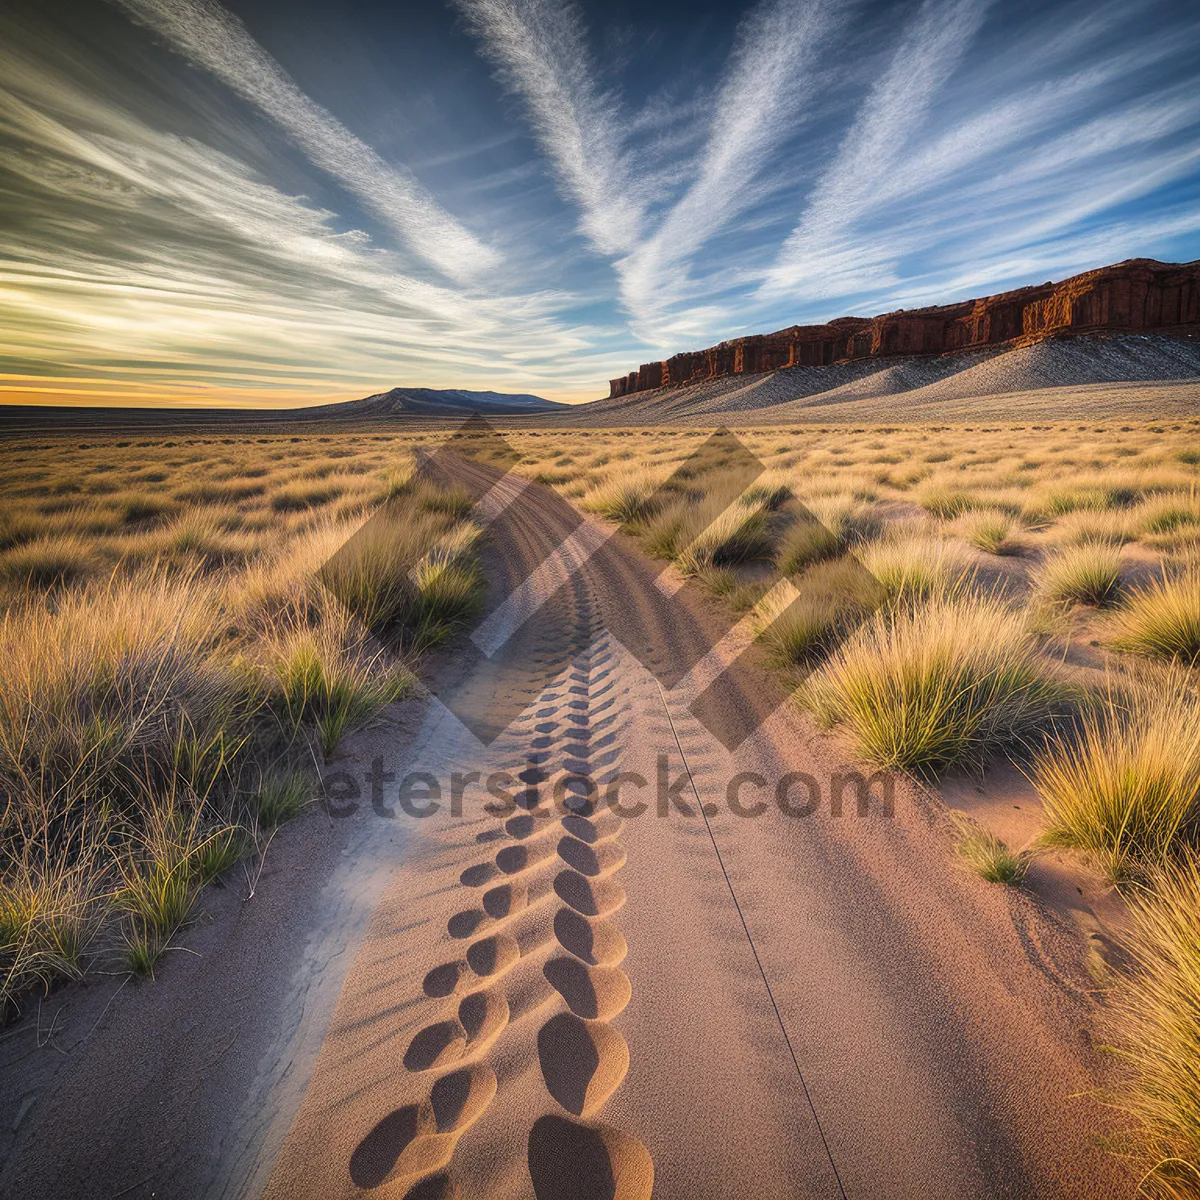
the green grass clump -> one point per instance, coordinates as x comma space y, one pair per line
698, 535
143, 949
219, 851
280, 797
1163, 619
327, 679
1085, 574
1124, 786
917, 567
48, 918
448, 594
158, 894
661, 532
942, 685
1155, 1031
988, 855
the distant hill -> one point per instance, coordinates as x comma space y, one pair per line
434, 402
399, 402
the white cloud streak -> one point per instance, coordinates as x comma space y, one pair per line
759, 104
820, 250
137, 261
540, 52
209, 36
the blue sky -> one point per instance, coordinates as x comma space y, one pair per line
266, 203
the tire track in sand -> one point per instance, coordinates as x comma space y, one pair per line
583, 1059
562, 856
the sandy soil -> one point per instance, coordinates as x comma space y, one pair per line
576, 1004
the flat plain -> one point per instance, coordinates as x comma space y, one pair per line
1006, 616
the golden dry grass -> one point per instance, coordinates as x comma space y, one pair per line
174, 651
932, 665
1156, 1033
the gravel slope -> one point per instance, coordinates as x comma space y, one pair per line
910, 389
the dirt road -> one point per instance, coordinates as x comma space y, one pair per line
562, 1000
769, 1005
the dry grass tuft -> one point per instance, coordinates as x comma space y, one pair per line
916, 567
48, 562
1163, 619
1085, 574
1124, 786
942, 685
1156, 1032
991, 531
623, 498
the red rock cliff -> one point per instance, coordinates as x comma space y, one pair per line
1140, 294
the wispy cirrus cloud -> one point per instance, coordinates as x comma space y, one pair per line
819, 250
1030, 174
140, 265
540, 52
540, 49
759, 103
210, 36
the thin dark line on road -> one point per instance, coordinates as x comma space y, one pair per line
753, 949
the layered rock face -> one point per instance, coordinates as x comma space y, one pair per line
1140, 294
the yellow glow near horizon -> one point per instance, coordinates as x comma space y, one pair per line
103, 393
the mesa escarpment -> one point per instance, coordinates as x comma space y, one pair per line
1137, 295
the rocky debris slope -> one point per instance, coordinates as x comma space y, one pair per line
1131, 374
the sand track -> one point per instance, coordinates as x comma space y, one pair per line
719, 1007
558, 1000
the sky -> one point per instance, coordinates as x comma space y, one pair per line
256, 203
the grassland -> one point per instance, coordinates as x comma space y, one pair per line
189, 628
971, 594
177, 654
